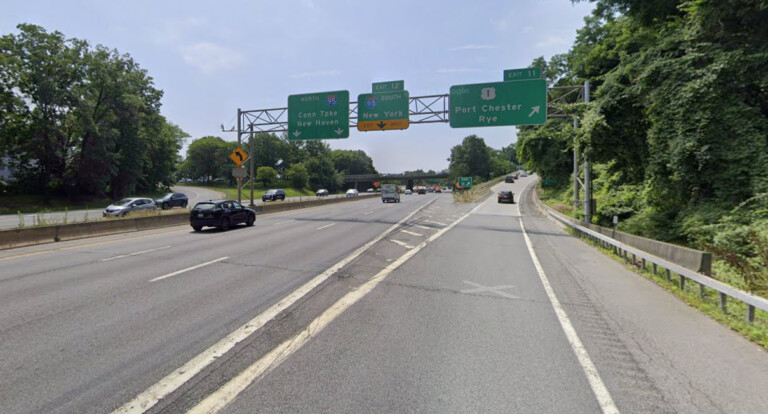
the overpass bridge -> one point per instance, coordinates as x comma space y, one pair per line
367, 180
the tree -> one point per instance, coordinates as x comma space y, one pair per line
298, 176
266, 175
471, 158
208, 157
352, 162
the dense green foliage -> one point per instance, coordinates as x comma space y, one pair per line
677, 129
473, 158
75, 119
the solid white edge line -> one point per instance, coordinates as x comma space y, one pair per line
229, 391
604, 399
178, 272
171, 382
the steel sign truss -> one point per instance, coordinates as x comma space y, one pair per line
421, 110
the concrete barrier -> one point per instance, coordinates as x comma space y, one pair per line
29, 236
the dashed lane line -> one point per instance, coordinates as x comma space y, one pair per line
178, 272
134, 254
401, 243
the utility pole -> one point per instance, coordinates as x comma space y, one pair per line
587, 180
239, 130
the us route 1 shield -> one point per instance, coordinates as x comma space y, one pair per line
499, 104
382, 111
321, 115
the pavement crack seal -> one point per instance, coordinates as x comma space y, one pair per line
178, 377
227, 393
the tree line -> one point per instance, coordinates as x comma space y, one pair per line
677, 129
81, 120
303, 164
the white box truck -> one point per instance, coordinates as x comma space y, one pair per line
389, 193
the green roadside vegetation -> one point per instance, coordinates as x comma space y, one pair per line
675, 130
258, 190
35, 203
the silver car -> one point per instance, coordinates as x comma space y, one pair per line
126, 205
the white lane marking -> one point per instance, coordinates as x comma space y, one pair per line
423, 227
282, 222
595, 382
178, 272
326, 226
412, 233
367, 213
171, 382
134, 254
435, 222
494, 289
229, 391
401, 243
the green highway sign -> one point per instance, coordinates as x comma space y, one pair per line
382, 111
499, 104
465, 182
389, 86
522, 74
321, 115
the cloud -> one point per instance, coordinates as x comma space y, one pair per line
527, 29
332, 72
551, 41
210, 57
473, 47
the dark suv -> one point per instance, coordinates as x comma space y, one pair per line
273, 195
220, 213
171, 200
506, 197
509, 179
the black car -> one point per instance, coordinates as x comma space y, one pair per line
421, 191
509, 179
220, 213
506, 197
322, 192
273, 195
171, 200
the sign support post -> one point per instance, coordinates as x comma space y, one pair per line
239, 141
250, 149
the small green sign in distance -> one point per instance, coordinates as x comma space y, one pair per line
499, 104
382, 111
522, 74
390, 86
465, 182
321, 115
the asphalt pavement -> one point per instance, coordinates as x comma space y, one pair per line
421, 306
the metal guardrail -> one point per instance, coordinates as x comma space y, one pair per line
725, 291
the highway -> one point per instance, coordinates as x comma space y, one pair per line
420, 306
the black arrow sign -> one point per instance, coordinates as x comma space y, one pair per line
239, 156
381, 125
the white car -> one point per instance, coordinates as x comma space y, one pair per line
126, 205
351, 193
408, 192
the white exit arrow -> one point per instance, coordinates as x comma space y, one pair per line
339, 131
534, 110
296, 133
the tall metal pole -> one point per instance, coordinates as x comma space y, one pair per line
575, 166
239, 131
587, 180
250, 150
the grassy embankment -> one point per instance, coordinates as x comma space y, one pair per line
560, 199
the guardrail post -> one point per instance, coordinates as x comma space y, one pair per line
750, 313
669, 276
654, 269
702, 291
643, 264
682, 283
723, 302
634, 260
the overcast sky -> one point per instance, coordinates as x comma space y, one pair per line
211, 58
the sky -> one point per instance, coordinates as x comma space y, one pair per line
211, 58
